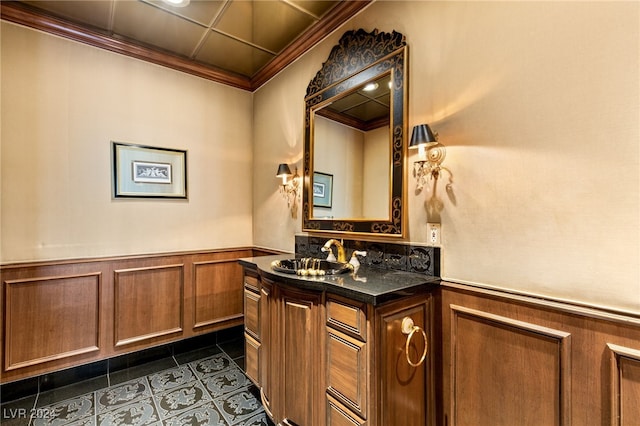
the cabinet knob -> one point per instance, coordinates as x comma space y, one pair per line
409, 328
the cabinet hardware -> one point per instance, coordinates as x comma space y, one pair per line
409, 328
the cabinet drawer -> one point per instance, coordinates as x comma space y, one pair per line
252, 350
338, 415
347, 370
252, 312
252, 282
347, 316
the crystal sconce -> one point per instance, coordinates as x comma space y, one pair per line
431, 154
290, 186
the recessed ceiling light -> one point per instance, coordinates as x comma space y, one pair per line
177, 3
370, 87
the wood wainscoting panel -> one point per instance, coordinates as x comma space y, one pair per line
148, 303
64, 313
508, 372
218, 293
625, 377
50, 318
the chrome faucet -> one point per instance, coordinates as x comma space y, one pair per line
342, 257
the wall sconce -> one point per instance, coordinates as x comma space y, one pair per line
289, 187
428, 147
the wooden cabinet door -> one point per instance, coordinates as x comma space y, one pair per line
252, 312
404, 396
268, 342
338, 415
301, 351
252, 358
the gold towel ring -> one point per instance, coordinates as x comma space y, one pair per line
409, 328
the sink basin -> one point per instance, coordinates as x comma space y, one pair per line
310, 266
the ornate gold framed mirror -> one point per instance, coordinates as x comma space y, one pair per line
354, 144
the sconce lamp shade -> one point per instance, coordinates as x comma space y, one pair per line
422, 135
283, 170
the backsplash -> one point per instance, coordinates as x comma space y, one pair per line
398, 256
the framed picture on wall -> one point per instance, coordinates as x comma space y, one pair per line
322, 189
141, 171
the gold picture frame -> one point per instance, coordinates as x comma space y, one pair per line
141, 171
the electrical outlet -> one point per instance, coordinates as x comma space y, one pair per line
434, 233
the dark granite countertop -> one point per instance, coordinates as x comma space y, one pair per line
369, 285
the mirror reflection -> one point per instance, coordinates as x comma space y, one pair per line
352, 154
354, 140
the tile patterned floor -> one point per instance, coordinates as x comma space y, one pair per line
207, 391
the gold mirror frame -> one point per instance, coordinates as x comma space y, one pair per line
361, 57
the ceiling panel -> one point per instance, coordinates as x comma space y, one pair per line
94, 13
237, 57
316, 8
150, 25
268, 24
201, 11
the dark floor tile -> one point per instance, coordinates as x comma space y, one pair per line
233, 348
187, 357
142, 357
138, 371
229, 334
211, 366
238, 406
17, 412
71, 391
226, 381
79, 410
196, 415
70, 376
123, 394
178, 400
171, 378
20, 419
193, 343
141, 412
18, 389
240, 362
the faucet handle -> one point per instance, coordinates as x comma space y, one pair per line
330, 257
354, 258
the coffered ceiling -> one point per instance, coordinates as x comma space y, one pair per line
242, 43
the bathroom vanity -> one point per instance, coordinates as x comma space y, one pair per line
332, 349
350, 348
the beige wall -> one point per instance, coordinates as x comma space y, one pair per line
538, 105
62, 105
